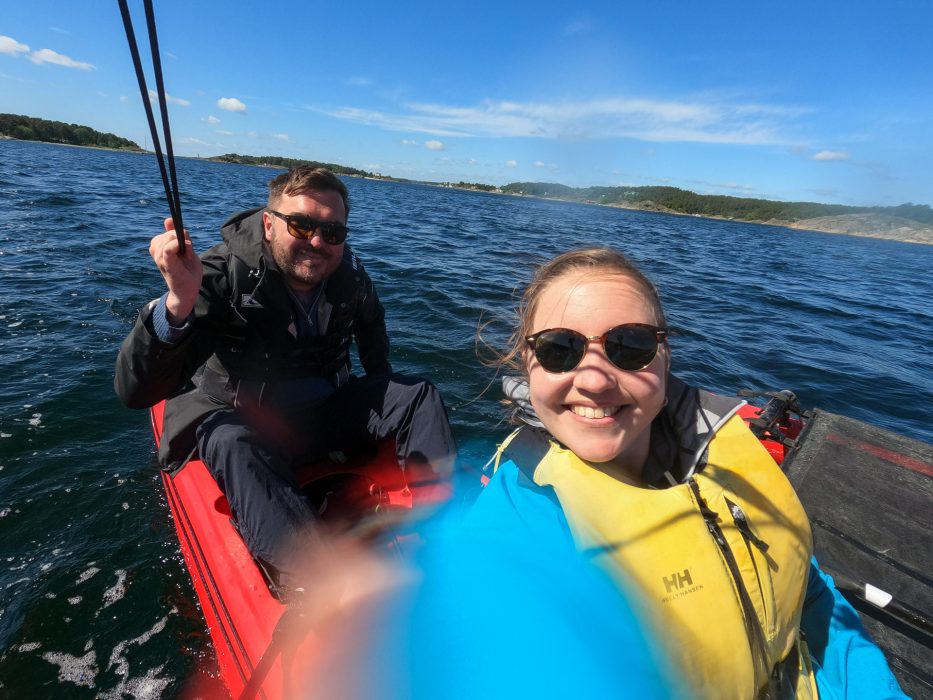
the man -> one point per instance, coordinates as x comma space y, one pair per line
250, 344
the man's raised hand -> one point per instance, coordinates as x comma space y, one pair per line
182, 273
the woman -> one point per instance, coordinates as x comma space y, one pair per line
666, 487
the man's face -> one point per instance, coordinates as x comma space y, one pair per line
305, 263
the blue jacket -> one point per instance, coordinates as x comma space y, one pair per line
846, 662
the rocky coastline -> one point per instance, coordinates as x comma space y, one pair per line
891, 228
871, 225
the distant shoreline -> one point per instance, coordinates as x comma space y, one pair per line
139, 151
879, 226
889, 228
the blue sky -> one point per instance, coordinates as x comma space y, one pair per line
821, 101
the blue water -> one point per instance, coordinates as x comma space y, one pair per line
94, 599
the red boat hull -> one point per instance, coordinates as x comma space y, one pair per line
239, 607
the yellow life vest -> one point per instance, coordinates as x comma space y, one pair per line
721, 561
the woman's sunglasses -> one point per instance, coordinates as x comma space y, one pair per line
631, 346
304, 227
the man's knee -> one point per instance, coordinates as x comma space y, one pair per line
416, 390
214, 434
225, 440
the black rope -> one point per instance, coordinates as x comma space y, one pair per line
284, 639
171, 188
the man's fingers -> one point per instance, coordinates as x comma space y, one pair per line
169, 225
167, 244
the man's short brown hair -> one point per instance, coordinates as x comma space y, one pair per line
306, 178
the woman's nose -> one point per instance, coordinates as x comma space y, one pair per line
595, 372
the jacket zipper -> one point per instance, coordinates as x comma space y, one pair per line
751, 539
753, 629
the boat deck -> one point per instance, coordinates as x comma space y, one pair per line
869, 495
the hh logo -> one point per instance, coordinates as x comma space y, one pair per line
677, 581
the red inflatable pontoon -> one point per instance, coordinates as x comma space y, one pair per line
238, 603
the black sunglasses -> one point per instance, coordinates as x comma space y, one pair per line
631, 346
304, 227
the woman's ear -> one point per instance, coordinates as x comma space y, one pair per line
527, 358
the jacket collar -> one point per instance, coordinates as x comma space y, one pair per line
244, 235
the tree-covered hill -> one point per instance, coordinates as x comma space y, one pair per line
280, 162
672, 199
34, 129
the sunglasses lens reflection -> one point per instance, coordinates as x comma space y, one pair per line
331, 232
559, 351
631, 348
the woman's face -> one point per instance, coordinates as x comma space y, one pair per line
597, 410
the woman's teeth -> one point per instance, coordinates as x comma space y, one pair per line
590, 412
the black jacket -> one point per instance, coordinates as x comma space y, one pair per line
243, 337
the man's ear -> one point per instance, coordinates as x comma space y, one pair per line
267, 225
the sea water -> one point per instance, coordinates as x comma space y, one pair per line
94, 598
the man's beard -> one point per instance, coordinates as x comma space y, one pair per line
292, 264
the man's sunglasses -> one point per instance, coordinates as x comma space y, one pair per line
304, 227
631, 346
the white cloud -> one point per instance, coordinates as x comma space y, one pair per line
11, 46
282, 137
831, 155
223, 132
123, 98
392, 122
231, 104
408, 142
547, 166
154, 98
359, 81
434, 145
198, 142
252, 134
210, 119
645, 119
511, 163
48, 56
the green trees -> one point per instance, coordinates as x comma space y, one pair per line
34, 129
281, 162
678, 201
544, 189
